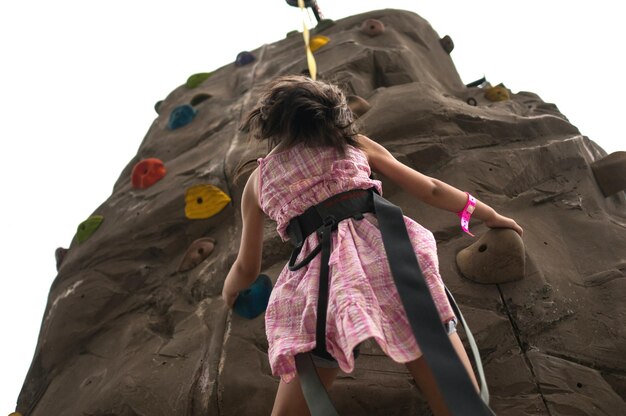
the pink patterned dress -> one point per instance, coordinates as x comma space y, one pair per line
363, 301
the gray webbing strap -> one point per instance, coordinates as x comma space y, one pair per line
314, 392
452, 378
484, 390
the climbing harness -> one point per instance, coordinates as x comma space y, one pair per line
450, 374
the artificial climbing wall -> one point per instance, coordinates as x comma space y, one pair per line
134, 323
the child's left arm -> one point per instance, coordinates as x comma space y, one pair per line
247, 266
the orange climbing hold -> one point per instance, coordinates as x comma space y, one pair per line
317, 42
204, 201
147, 172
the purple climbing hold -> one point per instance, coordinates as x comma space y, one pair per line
244, 58
59, 255
447, 44
181, 116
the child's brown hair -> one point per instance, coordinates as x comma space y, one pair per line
296, 109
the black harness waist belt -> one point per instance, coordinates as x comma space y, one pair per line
449, 372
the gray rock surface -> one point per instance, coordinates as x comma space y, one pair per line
125, 333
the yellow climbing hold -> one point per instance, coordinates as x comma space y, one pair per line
15, 414
497, 93
204, 201
317, 42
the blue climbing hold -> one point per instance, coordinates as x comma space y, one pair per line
181, 116
244, 58
252, 302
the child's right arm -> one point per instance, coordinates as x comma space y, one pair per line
430, 190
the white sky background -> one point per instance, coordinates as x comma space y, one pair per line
79, 80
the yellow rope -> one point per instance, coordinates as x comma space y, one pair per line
305, 34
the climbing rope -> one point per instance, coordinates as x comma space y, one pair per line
305, 34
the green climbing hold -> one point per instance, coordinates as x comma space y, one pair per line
323, 25
197, 79
88, 227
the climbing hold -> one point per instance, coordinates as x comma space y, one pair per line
447, 44
204, 201
497, 257
610, 173
317, 42
196, 79
15, 414
244, 58
197, 252
253, 301
199, 98
181, 116
323, 25
157, 105
372, 27
472, 101
59, 256
88, 227
497, 93
146, 173
358, 105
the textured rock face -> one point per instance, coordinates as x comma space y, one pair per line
127, 331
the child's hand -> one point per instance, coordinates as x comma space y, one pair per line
500, 221
229, 298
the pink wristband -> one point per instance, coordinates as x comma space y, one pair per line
467, 212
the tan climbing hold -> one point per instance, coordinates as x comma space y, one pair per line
498, 256
358, 105
373, 27
610, 173
59, 255
197, 252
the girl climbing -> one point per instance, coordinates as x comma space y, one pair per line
316, 184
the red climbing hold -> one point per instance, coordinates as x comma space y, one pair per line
147, 172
